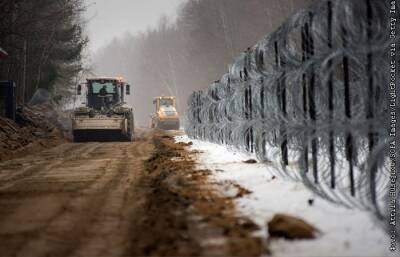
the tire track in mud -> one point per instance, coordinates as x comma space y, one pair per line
15, 186
71, 216
109, 235
76, 217
41, 162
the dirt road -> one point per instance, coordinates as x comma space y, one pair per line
115, 199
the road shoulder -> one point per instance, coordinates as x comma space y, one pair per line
183, 214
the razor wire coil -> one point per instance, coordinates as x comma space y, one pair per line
311, 97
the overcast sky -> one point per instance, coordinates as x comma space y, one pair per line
113, 18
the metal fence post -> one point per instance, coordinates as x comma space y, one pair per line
281, 99
348, 113
330, 98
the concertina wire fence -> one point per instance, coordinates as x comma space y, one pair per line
311, 100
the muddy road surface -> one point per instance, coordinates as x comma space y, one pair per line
117, 199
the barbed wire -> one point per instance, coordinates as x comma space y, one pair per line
312, 98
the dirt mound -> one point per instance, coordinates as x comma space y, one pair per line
250, 161
290, 228
183, 215
32, 131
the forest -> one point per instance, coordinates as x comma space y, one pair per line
192, 51
45, 41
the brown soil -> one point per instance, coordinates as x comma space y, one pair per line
183, 215
118, 199
250, 161
290, 227
31, 132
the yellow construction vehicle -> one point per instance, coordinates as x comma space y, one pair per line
166, 116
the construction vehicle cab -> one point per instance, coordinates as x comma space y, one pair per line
104, 114
166, 116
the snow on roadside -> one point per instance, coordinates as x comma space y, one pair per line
344, 232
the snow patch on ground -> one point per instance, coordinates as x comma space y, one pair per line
344, 232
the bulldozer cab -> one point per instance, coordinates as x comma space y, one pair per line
105, 93
161, 102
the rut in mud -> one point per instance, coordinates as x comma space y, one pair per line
117, 199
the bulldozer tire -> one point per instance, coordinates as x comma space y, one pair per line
77, 137
131, 127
